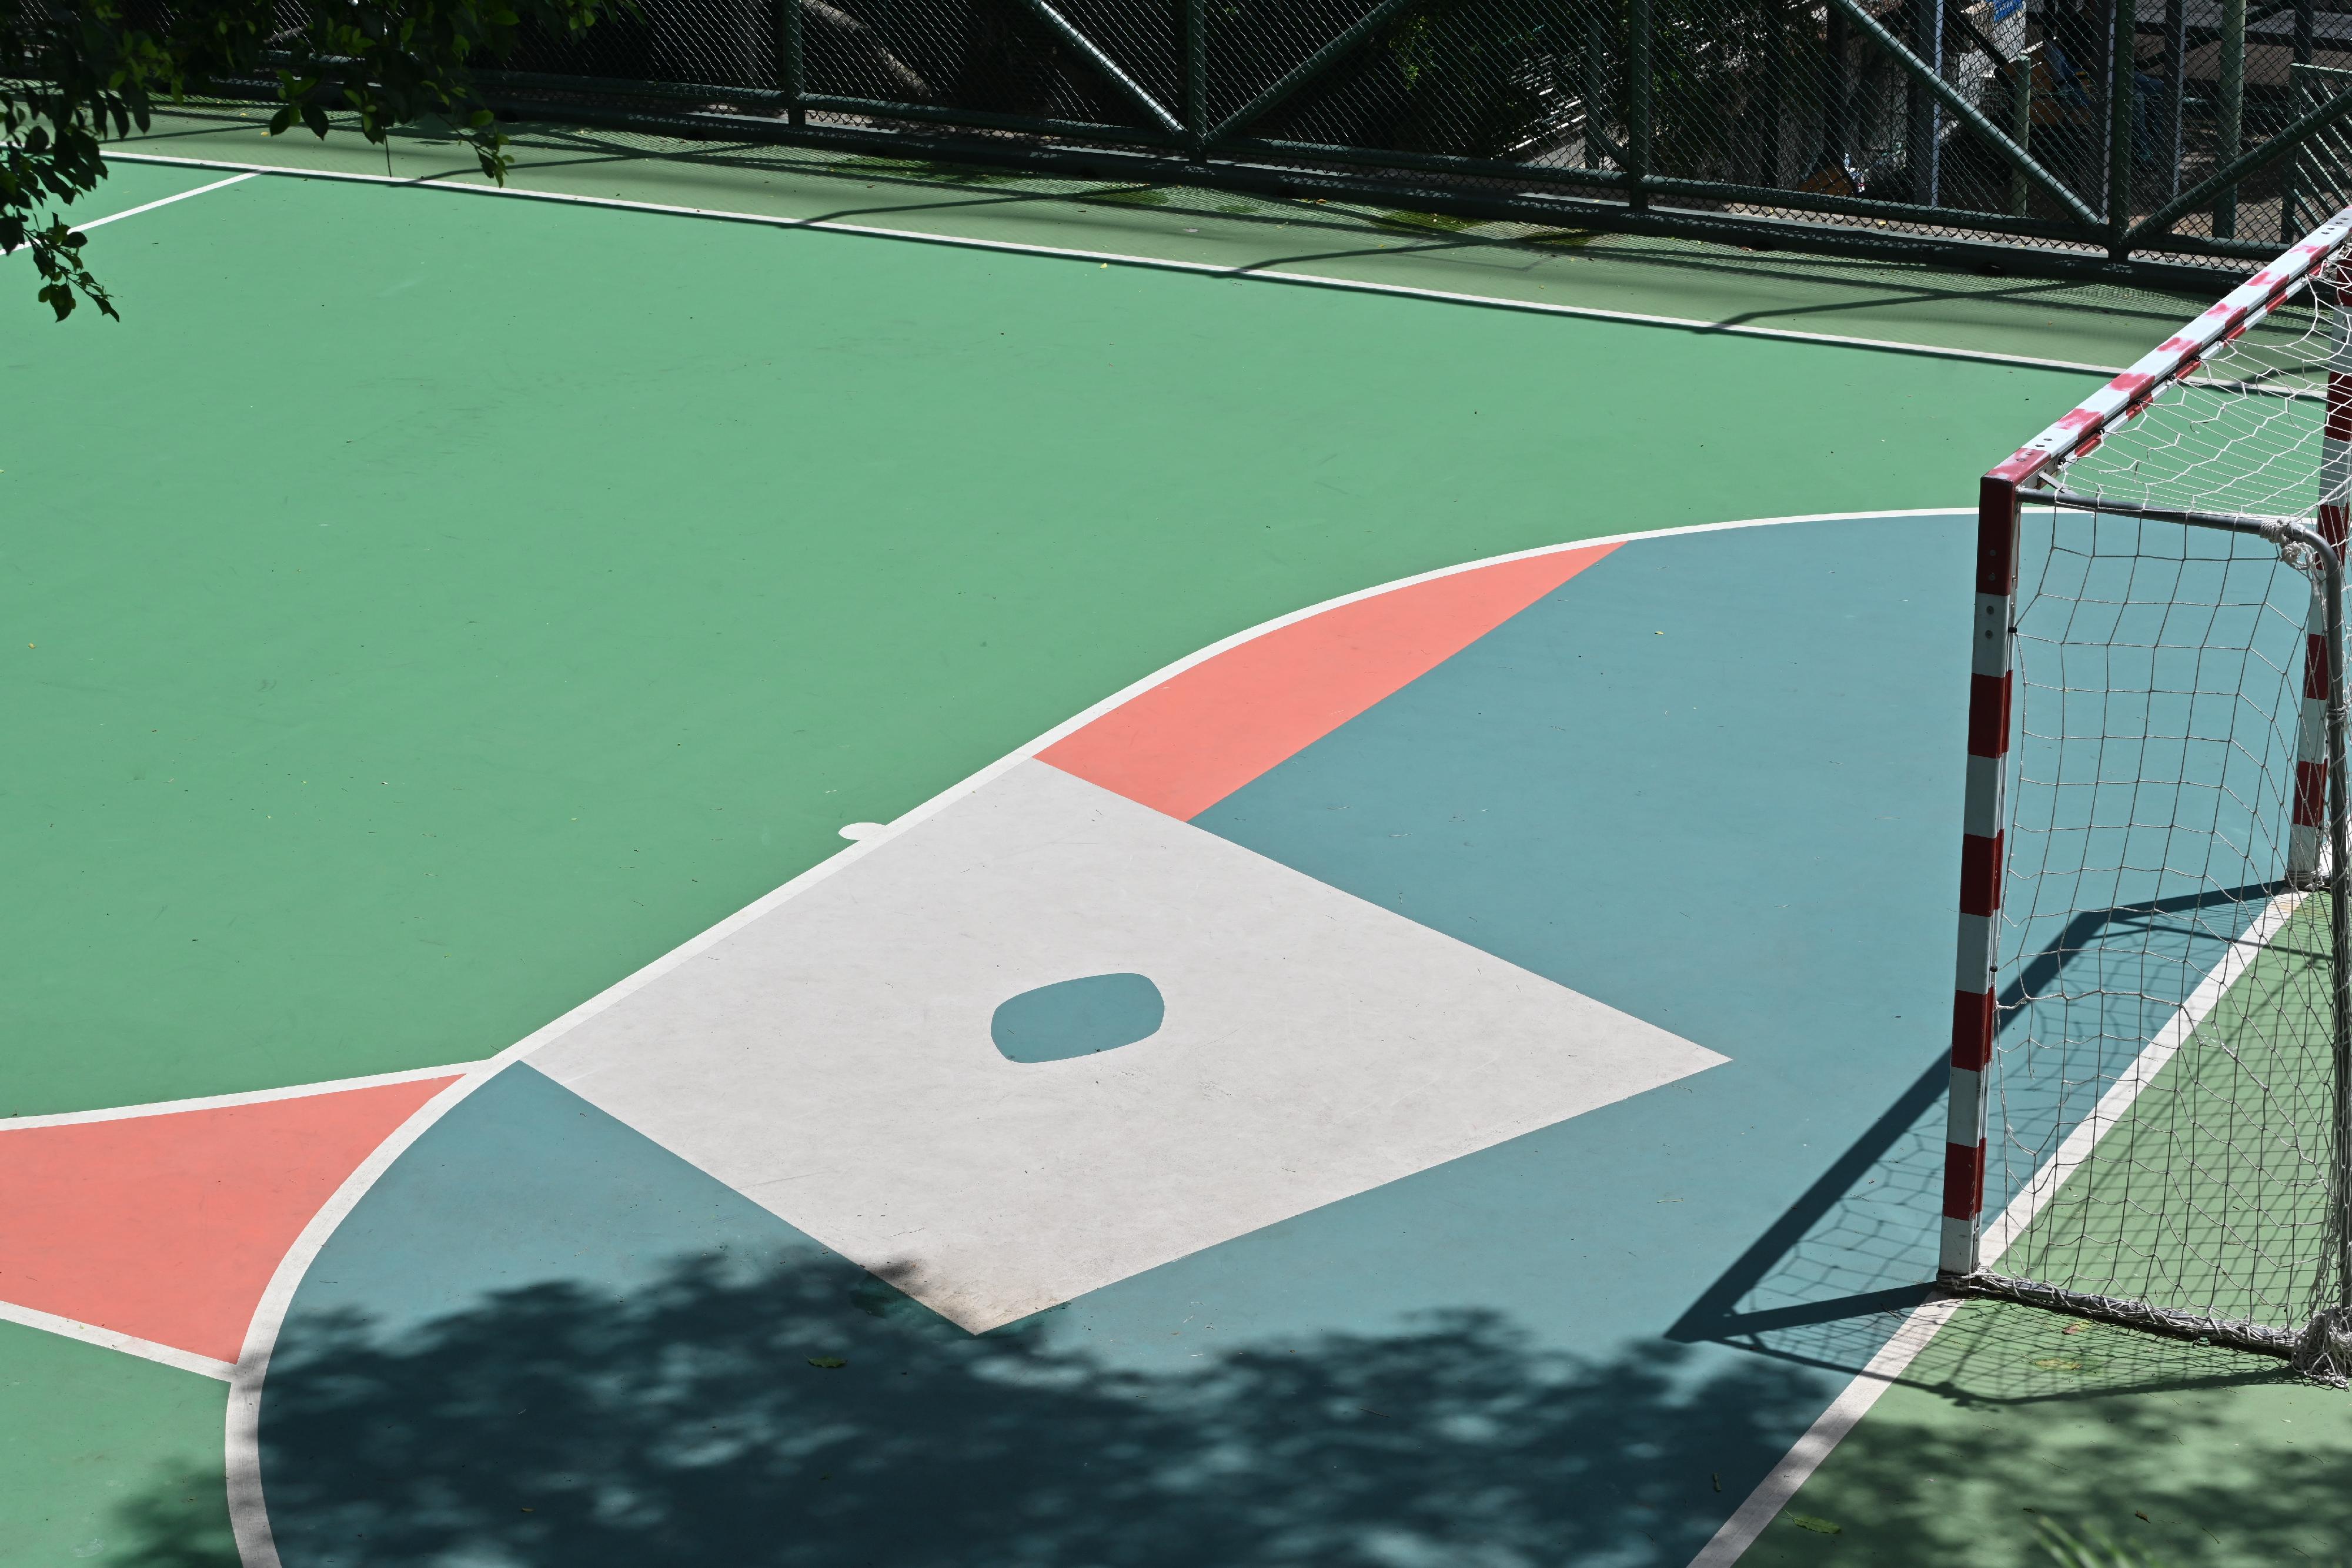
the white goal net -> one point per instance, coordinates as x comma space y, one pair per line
2148, 1057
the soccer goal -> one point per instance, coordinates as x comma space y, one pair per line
2149, 1072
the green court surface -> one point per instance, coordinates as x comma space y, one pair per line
531, 586
107, 1458
1717, 285
424, 608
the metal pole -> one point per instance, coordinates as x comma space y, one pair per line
1596, 93
2232, 112
2288, 228
1925, 130
2176, 67
2123, 155
1196, 76
1637, 101
792, 66
2020, 114
1837, 112
2339, 930
1984, 820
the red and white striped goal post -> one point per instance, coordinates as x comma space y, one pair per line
1974, 1016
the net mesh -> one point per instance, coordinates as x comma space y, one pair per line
1858, 126
2162, 1083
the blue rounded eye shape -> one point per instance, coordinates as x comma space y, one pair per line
1077, 1018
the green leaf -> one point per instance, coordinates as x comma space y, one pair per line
1818, 1526
827, 1362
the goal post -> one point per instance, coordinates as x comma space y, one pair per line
2150, 1116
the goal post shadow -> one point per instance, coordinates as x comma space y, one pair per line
1843, 1257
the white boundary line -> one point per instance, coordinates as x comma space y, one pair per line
108, 1338
248, 1097
1773, 1492
249, 1508
1846, 1412
167, 201
2043, 1184
1164, 263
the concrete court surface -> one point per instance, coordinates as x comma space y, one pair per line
1476, 1355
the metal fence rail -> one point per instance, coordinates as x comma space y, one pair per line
2031, 135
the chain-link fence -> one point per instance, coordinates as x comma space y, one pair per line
2026, 134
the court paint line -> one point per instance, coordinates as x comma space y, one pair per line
108, 1338
1846, 1412
248, 1507
167, 201
1163, 264
247, 1097
1771, 1494
2043, 1184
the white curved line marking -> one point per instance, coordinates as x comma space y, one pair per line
247, 1097
248, 1510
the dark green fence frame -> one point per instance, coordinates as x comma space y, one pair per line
2158, 209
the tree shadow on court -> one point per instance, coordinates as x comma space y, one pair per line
808, 1416
2197, 1456
179, 1520
704, 1419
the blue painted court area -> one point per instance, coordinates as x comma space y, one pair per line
1711, 782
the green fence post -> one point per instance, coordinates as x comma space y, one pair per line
784, 16
2289, 229
2175, 87
1637, 102
1196, 77
2123, 153
2231, 111
1924, 124
1837, 114
1596, 93
2020, 118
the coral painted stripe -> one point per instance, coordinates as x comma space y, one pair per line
168, 1226
1186, 744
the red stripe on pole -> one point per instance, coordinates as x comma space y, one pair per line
1972, 1016
1989, 716
2310, 793
2331, 523
1980, 872
1964, 1168
2315, 667
1997, 534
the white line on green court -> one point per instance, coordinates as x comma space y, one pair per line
1163, 264
1773, 1492
248, 1097
2116, 1102
110, 1339
166, 201
1829, 1428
